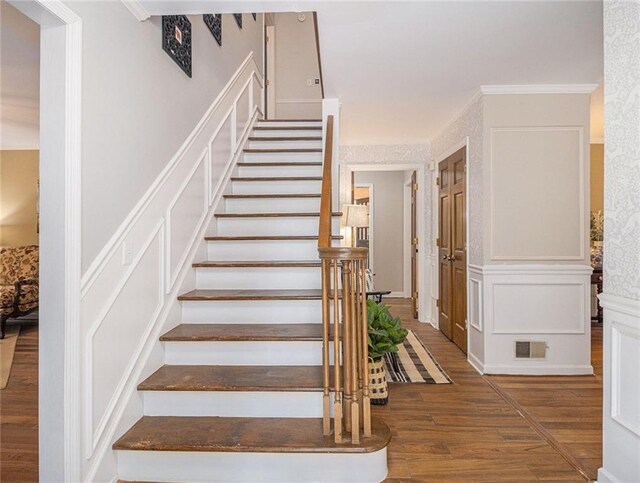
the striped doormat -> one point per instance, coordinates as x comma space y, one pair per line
414, 363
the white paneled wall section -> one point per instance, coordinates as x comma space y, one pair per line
130, 294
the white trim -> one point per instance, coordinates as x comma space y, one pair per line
478, 326
605, 477
137, 9
542, 370
620, 304
546, 269
372, 223
475, 363
539, 89
618, 330
98, 263
581, 194
420, 168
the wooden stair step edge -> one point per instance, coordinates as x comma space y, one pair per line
244, 333
271, 215
257, 264
234, 378
233, 434
268, 238
278, 164
276, 178
216, 294
286, 138
282, 150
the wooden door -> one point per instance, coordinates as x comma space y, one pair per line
452, 255
414, 245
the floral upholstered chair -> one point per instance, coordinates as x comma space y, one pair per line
18, 282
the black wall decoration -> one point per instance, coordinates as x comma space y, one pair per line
176, 40
238, 17
214, 22
255, 16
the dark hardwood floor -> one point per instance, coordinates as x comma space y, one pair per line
19, 412
470, 430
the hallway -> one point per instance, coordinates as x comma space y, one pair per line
468, 431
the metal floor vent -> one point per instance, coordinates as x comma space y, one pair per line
529, 349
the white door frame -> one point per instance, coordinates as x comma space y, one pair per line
60, 242
270, 52
369, 186
423, 268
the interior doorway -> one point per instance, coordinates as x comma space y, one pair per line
452, 251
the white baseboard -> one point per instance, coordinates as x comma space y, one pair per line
605, 477
549, 370
475, 363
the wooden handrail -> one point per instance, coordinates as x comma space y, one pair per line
315, 26
324, 228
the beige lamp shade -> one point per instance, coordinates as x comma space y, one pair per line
355, 216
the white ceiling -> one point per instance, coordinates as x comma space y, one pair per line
403, 69
19, 80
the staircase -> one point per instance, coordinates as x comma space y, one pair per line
240, 397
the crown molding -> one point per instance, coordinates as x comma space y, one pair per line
136, 9
539, 89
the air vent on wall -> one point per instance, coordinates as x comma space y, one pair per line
528, 349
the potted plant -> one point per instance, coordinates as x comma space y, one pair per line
385, 332
597, 232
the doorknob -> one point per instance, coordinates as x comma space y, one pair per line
452, 258
445, 257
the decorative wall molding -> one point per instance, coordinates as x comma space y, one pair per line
116, 240
580, 255
298, 101
137, 9
476, 314
539, 89
176, 210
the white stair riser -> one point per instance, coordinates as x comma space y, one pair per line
252, 312
203, 466
284, 132
263, 250
249, 404
244, 353
269, 171
259, 278
285, 124
276, 187
280, 157
271, 226
272, 205
289, 144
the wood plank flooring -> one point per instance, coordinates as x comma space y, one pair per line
465, 431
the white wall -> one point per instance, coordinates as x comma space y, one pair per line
19, 80
296, 63
138, 105
621, 297
388, 227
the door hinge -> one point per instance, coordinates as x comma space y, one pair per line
266, 39
415, 295
266, 82
414, 241
437, 302
415, 186
438, 181
437, 242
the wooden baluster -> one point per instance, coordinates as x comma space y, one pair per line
358, 329
326, 324
347, 333
353, 302
366, 403
337, 405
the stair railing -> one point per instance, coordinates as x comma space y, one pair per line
344, 317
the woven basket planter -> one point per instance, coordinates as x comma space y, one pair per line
378, 389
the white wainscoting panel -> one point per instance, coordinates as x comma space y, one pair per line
621, 398
533, 302
129, 294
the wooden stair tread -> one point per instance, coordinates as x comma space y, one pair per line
276, 178
289, 120
286, 138
282, 150
256, 435
287, 128
257, 263
243, 332
277, 164
273, 195
249, 294
270, 215
268, 238
234, 378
